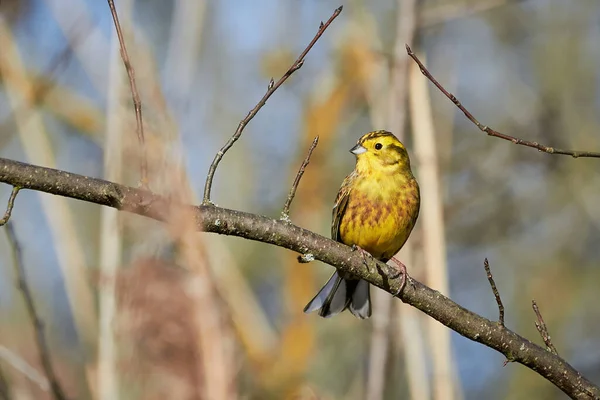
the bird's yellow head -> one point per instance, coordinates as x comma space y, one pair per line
380, 151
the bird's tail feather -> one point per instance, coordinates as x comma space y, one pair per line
339, 294
360, 306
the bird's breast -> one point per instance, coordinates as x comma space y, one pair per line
380, 215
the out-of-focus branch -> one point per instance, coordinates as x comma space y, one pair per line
88, 50
486, 265
287, 235
43, 87
23, 367
38, 325
273, 86
9, 206
4, 390
285, 214
137, 102
490, 131
37, 147
447, 12
183, 54
540, 325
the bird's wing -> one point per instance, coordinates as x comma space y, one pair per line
341, 201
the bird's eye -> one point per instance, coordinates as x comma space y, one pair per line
378, 146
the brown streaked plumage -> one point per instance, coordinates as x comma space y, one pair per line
375, 209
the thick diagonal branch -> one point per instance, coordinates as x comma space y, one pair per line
283, 234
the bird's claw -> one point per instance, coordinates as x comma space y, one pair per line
365, 254
401, 270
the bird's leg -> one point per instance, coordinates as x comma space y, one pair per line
401, 269
364, 254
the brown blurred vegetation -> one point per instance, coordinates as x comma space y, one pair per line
193, 307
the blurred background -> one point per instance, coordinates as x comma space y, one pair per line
138, 310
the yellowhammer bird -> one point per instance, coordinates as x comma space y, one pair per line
375, 210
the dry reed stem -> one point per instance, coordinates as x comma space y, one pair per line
432, 222
61, 220
397, 110
18, 363
111, 246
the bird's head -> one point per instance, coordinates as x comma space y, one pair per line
382, 151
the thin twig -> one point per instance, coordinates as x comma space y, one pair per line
285, 214
9, 207
490, 131
38, 325
137, 102
486, 265
273, 86
542, 329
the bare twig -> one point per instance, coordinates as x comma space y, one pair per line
273, 86
137, 102
542, 329
285, 214
38, 325
486, 265
9, 207
490, 131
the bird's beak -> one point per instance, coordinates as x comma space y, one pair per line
358, 149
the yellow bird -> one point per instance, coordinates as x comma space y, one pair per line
375, 210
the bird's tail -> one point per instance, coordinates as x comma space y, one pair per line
340, 293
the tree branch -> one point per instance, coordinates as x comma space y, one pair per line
487, 129
273, 86
284, 234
